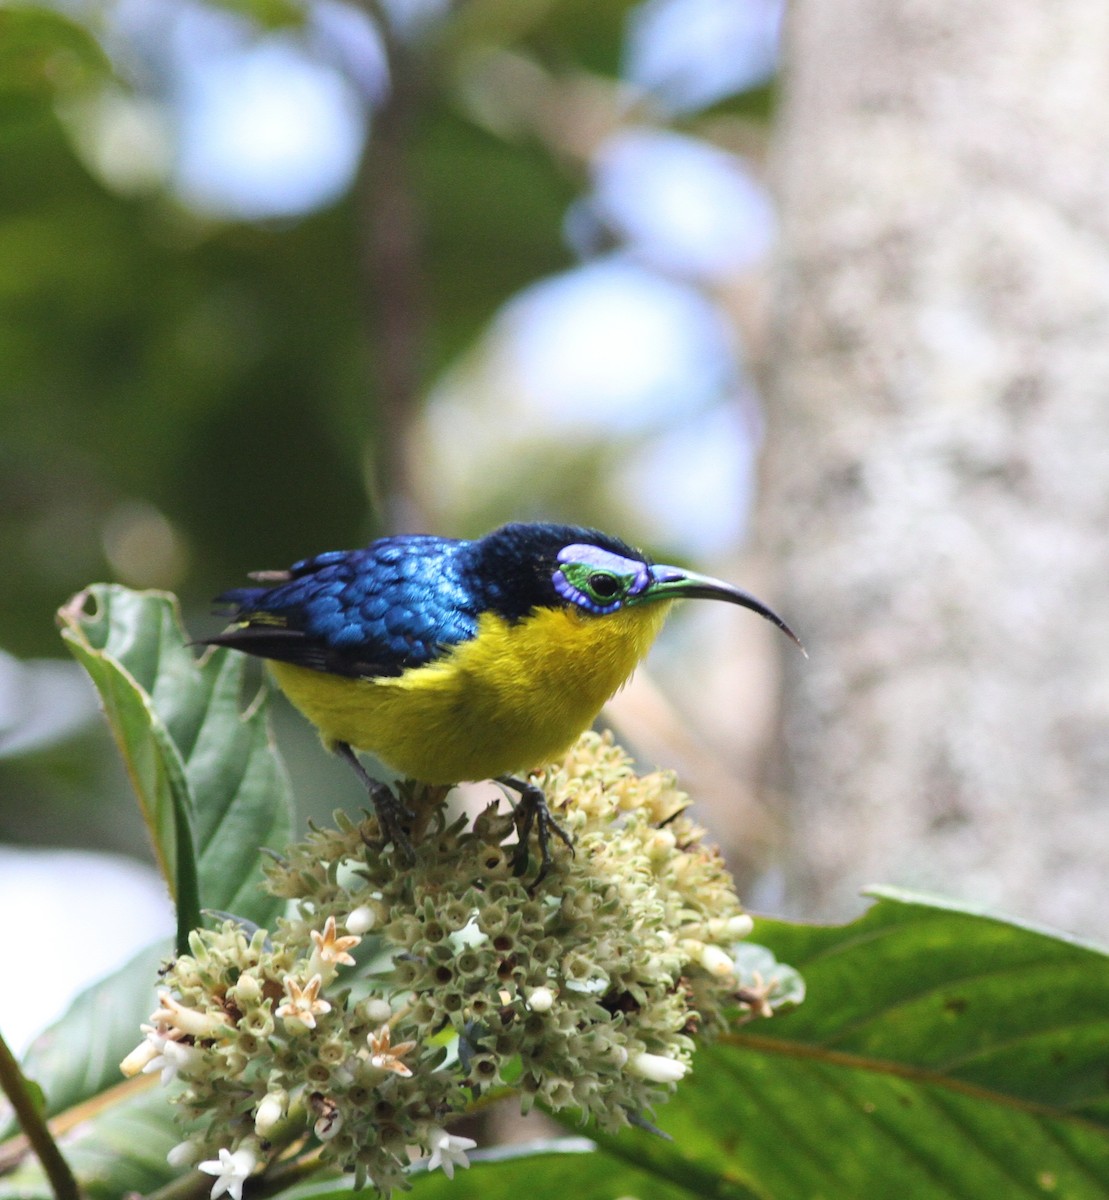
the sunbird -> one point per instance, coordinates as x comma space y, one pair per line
453, 660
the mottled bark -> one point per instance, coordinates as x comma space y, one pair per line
937, 477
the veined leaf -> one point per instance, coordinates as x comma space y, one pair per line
940, 1053
210, 783
79, 1055
930, 985
550, 1169
119, 1151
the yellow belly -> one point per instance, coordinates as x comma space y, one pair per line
513, 698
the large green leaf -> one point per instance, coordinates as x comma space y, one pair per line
941, 1052
120, 1151
79, 1055
207, 775
115, 1148
548, 1170
976, 1000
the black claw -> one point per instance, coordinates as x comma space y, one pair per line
534, 810
393, 817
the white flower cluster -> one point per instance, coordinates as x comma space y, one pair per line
395, 994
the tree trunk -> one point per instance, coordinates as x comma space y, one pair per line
937, 471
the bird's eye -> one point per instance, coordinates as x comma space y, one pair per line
596, 580
603, 586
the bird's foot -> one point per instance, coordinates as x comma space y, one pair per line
534, 810
393, 818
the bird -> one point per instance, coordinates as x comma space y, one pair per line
452, 660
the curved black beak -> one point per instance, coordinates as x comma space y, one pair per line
672, 583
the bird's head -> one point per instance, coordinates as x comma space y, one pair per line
529, 566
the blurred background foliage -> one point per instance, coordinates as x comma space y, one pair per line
281, 276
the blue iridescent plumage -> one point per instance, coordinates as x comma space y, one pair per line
402, 601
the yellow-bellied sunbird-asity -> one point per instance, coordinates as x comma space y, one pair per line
463, 660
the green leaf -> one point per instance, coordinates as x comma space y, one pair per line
546, 1170
120, 1151
210, 784
79, 1055
43, 53
941, 1052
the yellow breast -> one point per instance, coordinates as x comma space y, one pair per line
510, 699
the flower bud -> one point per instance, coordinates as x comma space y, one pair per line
539, 999
137, 1060
661, 844
378, 1011
188, 1021
184, 1154
657, 1068
269, 1112
717, 962
740, 926
360, 920
248, 991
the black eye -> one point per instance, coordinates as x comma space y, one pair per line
604, 587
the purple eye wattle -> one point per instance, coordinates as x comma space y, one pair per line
597, 580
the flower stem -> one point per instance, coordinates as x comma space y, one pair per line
33, 1123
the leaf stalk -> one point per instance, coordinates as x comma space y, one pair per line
33, 1123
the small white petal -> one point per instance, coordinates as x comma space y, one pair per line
448, 1151
231, 1170
657, 1068
178, 1057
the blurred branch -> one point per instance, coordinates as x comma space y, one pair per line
29, 1113
391, 264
